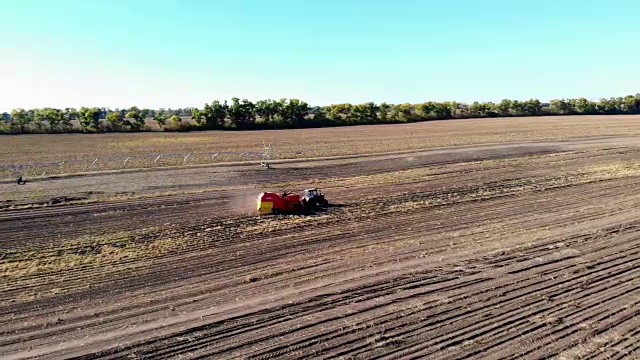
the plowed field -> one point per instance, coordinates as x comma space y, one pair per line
494, 251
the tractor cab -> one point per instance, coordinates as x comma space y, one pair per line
311, 193
313, 197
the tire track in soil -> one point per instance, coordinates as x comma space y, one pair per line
597, 304
155, 211
626, 347
473, 271
224, 331
86, 276
405, 314
628, 350
391, 327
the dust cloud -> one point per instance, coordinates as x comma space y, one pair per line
244, 202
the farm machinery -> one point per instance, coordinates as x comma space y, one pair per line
287, 202
313, 197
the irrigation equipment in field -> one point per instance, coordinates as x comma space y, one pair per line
78, 166
266, 156
17, 173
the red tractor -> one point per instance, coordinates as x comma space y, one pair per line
273, 203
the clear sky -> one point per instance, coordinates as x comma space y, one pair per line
170, 53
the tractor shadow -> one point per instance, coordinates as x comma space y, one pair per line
320, 210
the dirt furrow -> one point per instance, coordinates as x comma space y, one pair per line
465, 334
562, 315
511, 252
619, 342
131, 206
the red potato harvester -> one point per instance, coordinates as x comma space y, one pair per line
274, 203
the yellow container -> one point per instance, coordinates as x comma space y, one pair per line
265, 206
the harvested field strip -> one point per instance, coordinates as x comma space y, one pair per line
241, 177
232, 259
617, 343
598, 173
513, 258
407, 170
68, 280
390, 334
616, 267
490, 326
121, 247
76, 209
382, 235
83, 223
324, 141
149, 163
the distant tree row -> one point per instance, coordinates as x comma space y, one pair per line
94, 119
294, 113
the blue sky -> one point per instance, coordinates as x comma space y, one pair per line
118, 53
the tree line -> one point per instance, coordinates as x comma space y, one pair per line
294, 113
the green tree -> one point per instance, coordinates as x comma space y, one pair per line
68, 115
319, 117
215, 114
89, 118
584, 106
4, 122
402, 112
197, 116
517, 108
292, 112
478, 109
116, 120
267, 109
560, 107
443, 110
383, 113
453, 108
241, 113
631, 104
425, 110
176, 120
161, 117
363, 113
532, 107
138, 116
51, 116
618, 105
21, 119
504, 107
340, 112
71, 113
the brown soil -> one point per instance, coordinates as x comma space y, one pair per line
497, 252
25, 149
